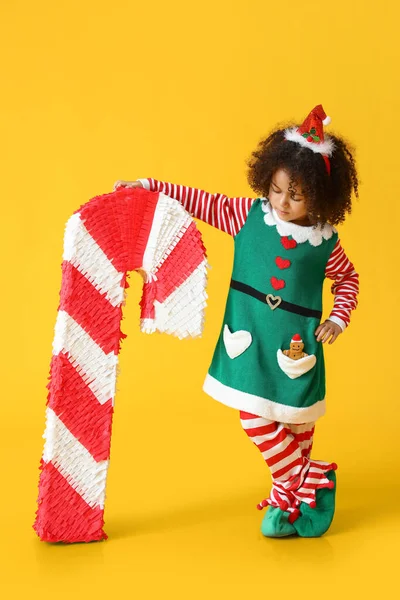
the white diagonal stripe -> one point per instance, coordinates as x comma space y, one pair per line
96, 368
170, 221
313, 480
74, 461
253, 423
286, 461
182, 312
277, 448
81, 250
301, 428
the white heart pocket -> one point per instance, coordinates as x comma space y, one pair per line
236, 342
295, 368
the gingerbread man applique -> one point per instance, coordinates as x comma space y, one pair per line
295, 362
296, 348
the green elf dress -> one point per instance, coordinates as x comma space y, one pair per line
275, 293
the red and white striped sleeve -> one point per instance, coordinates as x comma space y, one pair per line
345, 286
227, 214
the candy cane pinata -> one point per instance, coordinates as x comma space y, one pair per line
106, 238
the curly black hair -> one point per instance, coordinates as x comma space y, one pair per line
328, 197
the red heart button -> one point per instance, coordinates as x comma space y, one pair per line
288, 244
277, 284
282, 263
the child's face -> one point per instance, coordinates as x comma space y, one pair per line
288, 209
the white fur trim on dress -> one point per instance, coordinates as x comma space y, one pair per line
325, 147
262, 406
313, 234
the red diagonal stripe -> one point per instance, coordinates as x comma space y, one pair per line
262, 430
182, 261
246, 415
91, 309
303, 437
285, 469
63, 515
120, 222
290, 449
75, 404
270, 444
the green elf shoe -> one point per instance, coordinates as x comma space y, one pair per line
314, 522
276, 524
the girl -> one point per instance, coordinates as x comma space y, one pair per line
268, 362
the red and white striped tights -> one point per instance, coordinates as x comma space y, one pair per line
286, 449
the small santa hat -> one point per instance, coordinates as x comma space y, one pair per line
310, 134
296, 338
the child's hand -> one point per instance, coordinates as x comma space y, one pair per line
326, 330
123, 183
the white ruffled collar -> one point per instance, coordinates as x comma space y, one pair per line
314, 235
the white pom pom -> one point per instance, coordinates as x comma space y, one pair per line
326, 121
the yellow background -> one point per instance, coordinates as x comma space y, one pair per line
93, 92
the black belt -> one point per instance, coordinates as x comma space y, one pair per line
275, 301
